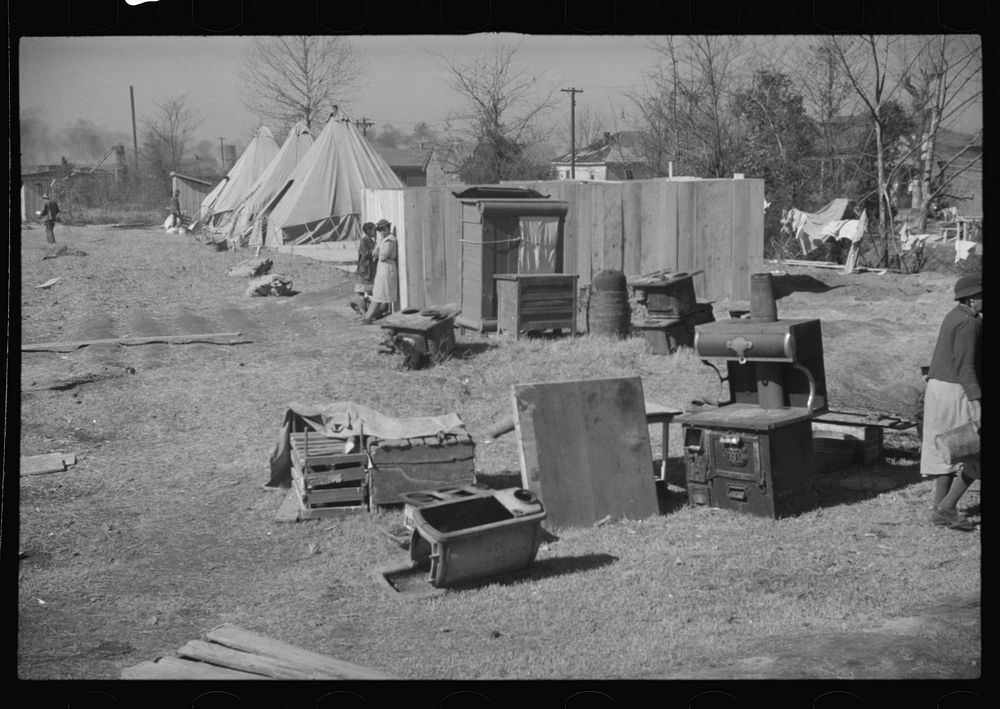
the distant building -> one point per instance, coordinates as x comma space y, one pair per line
416, 167
961, 155
614, 156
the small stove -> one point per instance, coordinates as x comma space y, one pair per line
755, 453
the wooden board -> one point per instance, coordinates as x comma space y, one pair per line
632, 228
231, 652
176, 339
46, 463
585, 449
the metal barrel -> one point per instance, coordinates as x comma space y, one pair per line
609, 314
960, 444
763, 306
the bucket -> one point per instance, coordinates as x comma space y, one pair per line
609, 313
959, 445
762, 303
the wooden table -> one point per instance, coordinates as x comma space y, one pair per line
655, 413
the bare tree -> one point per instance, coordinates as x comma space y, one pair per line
168, 135
942, 83
866, 64
287, 79
686, 110
502, 106
826, 91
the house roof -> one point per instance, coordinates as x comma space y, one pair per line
621, 147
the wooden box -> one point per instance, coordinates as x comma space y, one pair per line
421, 463
665, 335
667, 294
536, 301
867, 438
327, 480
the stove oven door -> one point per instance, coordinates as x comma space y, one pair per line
737, 478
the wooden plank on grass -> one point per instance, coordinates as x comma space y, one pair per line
237, 638
170, 667
272, 667
46, 463
139, 340
585, 449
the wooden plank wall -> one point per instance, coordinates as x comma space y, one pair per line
637, 227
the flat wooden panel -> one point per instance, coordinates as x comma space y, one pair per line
584, 260
452, 232
434, 260
173, 668
652, 248
754, 234
591, 193
585, 449
739, 267
571, 257
611, 208
632, 228
239, 639
713, 237
686, 207
414, 248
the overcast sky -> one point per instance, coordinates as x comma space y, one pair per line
67, 79
63, 79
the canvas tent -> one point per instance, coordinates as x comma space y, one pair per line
234, 186
270, 184
326, 197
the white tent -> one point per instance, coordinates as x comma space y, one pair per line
244, 173
326, 197
269, 185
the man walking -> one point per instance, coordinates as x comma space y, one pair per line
49, 216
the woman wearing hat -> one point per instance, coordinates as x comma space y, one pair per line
953, 398
49, 215
385, 291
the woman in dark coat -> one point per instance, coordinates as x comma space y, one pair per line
953, 398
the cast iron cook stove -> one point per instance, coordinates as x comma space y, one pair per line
755, 453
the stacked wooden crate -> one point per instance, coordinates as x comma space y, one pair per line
327, 479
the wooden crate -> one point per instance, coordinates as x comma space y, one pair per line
536, 302
326, 480
419, 463
868, 438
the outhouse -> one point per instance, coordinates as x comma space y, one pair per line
505, 230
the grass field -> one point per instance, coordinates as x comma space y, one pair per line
162, 530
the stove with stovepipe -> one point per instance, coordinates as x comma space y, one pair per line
754, 453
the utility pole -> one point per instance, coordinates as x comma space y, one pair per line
363, 124
135, 136
572, 129
222, 154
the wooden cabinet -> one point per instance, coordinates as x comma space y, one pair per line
536, 301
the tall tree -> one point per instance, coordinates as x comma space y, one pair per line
943, 82
501, 108
826, 92
167, 136
686, 110
303, 77
866, 64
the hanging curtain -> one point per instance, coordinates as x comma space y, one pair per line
539, 242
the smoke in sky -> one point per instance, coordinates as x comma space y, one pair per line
80, 142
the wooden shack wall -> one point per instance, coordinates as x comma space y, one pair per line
192, 193
636, 227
